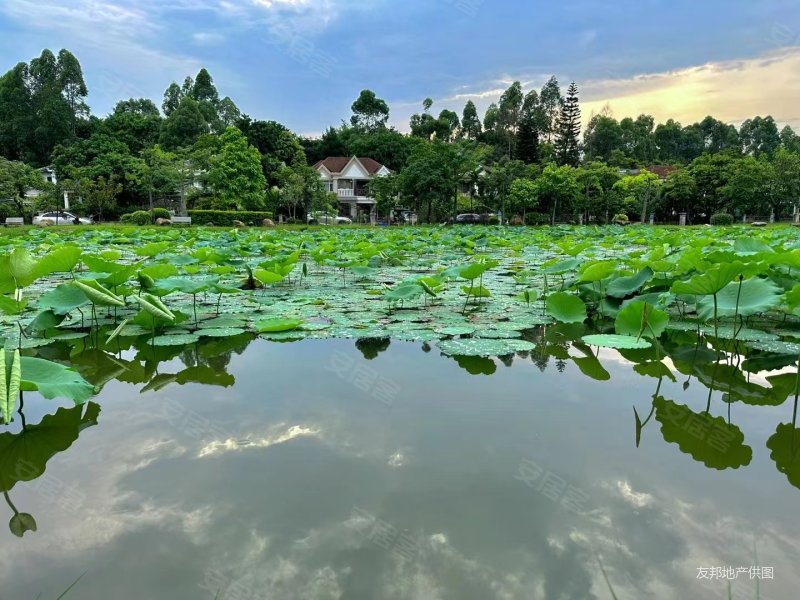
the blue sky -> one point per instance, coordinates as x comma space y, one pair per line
303, 62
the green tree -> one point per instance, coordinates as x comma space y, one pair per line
386, 192
603, 135
510, 108
16, 179
710, 173
598, 198
203, 89
369, 111
101, 155
638, 140
470, 122
278, 147
136, 122
236, 175
162, 174
569, 129
760, 136
679, 194
172, 98
432, 175
99, 196
41, 106
640, 193
530, 128
718, 136
786, 165
228, 114
750, 186
670, 143
523, 197
550, 99
302, 189
386, 145
790, 140
183, 126
333, 142
558, 189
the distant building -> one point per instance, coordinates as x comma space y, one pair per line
49, 176
349, 179
663, 171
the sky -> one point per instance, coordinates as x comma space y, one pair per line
303, 62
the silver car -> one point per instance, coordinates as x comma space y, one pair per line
61, 218
322, 218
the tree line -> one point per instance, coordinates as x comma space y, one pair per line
527, 157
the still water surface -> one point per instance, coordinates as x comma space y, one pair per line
320, 474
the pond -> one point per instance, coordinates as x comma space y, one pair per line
244, 468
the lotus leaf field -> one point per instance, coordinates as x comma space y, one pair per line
472, 292
718, 308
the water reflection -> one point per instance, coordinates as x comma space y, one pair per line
319, 487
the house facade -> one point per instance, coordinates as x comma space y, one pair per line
349, 179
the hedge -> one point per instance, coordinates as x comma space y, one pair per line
225, 218
139, 217
721, 219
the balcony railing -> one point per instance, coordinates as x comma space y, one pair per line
357, 193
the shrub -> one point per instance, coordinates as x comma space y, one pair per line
161, 213
620, 219
225, 218
139, 217
494, 220
722, 219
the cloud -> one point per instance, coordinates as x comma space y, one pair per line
205, 38
731, 91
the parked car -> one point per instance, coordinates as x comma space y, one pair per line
323, 218
402, 216
62, 218
469, 219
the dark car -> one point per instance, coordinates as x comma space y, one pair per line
468, 219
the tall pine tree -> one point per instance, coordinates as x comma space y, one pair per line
569, 129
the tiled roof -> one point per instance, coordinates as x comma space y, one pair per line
335, 164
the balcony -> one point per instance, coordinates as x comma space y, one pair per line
357, 194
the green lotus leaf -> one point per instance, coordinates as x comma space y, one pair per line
59, 260
97, 294
566, 308
54, 380
641, 319
179, 339
710, 440
749, 298
483, 347
784, 446
711, 282
597, 271
24, 455
277, 325
620, 287
618, 342
63, 299
221, 332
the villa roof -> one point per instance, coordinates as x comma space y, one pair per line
337, 164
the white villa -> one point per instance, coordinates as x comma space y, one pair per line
349, 178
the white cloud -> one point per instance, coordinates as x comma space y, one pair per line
207, 38
731, 91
